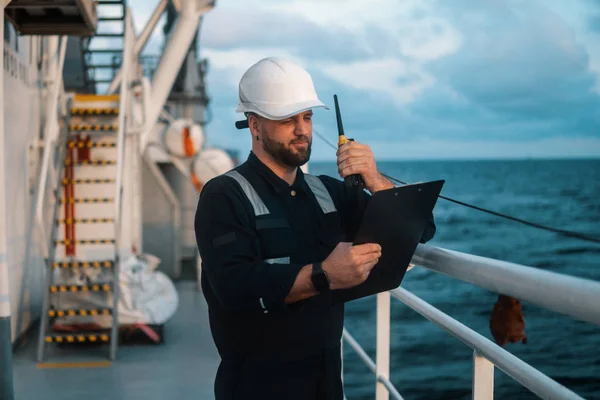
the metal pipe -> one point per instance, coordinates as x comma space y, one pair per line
141, 40
369, 363
576, 297
173, 56
359, 351
6, 374
513, 366
122, 124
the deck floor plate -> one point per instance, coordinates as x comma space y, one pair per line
183, 367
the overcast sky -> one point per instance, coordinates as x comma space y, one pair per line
420, 79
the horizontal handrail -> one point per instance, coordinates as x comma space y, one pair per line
525, 374
371, 364
576, 297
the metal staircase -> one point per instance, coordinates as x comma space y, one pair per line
102, 52
82, 267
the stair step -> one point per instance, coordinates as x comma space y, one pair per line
83, 264
86, 97
103, 66
85, 241
81, 312
95, 287
111, 19
84, 200
95, 111
87, 181
103, 51
86, 221
82, 144
90, 162
77, 337
110, 34
94, 127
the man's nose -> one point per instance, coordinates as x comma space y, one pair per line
303, 127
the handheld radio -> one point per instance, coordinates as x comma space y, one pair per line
351, 181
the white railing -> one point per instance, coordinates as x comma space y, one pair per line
372, 366
487, 354
127, 60
576, 297
51, 130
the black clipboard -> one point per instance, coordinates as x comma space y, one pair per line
395, 219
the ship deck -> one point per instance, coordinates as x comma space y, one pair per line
183, 367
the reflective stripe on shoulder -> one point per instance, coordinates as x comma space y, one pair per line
257, 204
321, 193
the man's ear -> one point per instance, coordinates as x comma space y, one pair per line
254, 125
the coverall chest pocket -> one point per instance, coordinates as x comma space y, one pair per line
331, 234
277, 240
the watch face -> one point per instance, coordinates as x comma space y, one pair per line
320, 280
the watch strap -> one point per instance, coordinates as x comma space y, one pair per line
319, 277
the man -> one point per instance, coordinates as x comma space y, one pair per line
276, 247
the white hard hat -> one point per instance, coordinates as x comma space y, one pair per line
276, 88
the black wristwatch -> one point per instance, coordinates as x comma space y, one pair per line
319, 278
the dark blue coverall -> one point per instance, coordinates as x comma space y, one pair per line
269, 349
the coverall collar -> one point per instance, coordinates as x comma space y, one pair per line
278, 184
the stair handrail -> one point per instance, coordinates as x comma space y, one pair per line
51, 130
124, 91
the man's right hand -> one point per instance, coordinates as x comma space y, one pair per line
348, 266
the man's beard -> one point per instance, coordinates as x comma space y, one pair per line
287, 155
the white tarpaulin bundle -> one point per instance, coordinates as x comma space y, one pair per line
145, 295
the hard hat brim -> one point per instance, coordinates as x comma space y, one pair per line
278, 113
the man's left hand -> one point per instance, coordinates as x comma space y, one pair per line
357, 158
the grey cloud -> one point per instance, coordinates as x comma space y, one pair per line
518, 76
228, 29
526, 65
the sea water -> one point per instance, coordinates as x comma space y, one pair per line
428, 363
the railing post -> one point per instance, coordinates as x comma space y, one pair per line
383, 344
483, 378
